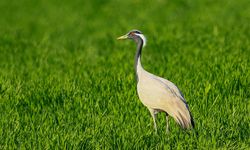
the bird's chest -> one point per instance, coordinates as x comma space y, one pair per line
148, 92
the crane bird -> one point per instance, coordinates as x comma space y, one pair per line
156, 93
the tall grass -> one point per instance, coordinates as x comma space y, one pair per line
66, 83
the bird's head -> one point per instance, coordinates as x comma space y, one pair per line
136, 35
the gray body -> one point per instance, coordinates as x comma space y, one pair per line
159, 94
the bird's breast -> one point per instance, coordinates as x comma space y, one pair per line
150, 92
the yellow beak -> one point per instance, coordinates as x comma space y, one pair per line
122, 37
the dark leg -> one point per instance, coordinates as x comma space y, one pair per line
167, 123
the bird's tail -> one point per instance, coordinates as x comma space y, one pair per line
183, 116
185, 122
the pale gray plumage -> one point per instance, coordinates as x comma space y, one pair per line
156, 93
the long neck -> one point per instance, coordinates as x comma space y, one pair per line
138, 56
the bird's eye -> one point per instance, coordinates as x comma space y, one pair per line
137, 32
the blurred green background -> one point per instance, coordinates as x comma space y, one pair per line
66, 82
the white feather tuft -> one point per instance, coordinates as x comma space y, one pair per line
143, 39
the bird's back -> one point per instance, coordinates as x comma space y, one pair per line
160, 94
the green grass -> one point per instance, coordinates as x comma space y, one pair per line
66, 82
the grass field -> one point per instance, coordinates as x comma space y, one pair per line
67, 83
